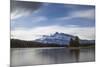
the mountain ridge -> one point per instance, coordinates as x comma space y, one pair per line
61, 39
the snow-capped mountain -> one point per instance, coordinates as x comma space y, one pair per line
61, 39
56, 38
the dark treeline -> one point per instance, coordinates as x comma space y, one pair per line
87, 45
15, 43
75, 43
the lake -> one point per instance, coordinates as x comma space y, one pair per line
50, 55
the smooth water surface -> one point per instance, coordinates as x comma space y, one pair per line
50, 55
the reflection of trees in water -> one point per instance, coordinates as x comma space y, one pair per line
75, 53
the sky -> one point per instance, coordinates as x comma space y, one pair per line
30, 20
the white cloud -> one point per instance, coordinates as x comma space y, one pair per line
39, 18
16, 14
31, 34
87, 14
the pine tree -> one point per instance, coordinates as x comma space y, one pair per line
71, 43
76, 41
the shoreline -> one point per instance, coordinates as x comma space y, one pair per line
60, 47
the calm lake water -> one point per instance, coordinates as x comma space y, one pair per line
51, 55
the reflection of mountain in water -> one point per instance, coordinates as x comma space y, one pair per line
59, 55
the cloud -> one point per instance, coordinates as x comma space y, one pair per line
41, 16
37, 19
23, 8
29, 22
16, 14
87, 14
34, 33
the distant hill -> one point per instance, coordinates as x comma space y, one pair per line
15, 43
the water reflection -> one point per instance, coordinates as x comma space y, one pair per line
76, 53
36, 56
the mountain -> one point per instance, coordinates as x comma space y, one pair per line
56, 38
61, 39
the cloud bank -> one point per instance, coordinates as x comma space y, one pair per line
32, 34
22, 8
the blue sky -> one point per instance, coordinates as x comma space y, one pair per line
52, 17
